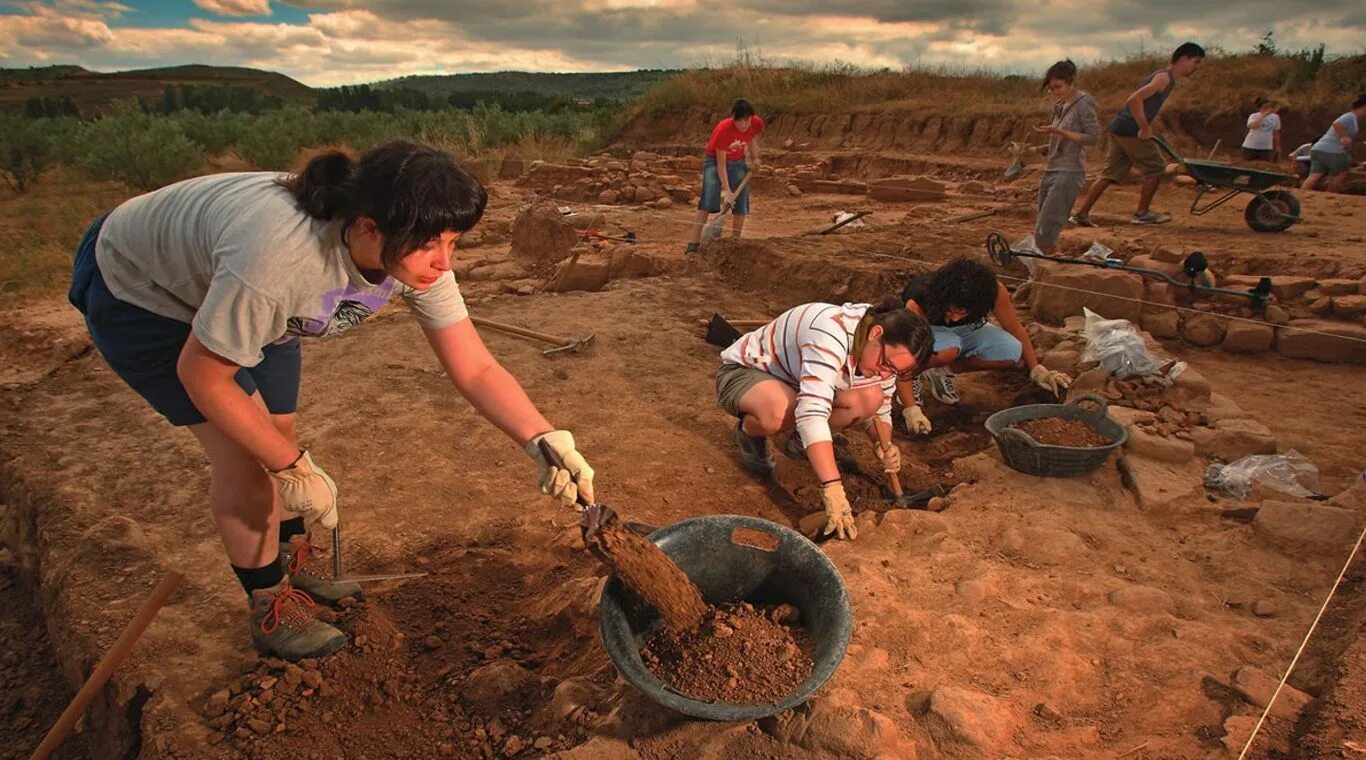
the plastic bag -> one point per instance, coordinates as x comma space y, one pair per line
1026, 244
840, 216
1117, 346
1097, 252
1290, 473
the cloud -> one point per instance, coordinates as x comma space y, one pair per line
235, 7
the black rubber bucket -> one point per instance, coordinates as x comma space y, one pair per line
734, 558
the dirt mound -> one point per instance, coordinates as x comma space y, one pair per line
649, 572
1054, 431
542, 235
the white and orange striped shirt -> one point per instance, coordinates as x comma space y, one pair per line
808, 348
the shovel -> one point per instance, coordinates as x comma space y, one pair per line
1016, 167
713, 229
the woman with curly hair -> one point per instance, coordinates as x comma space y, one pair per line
956, 300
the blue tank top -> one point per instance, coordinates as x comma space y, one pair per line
1124, 123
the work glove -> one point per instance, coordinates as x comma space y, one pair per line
307, 490
915, 419
564, 483
728, 198
890, 458
839, 517
1053, 382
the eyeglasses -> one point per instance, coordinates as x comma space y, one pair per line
884, 363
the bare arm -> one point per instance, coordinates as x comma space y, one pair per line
721, 173
754, 151
1135, 101
208, 379
1005, 313
490, 388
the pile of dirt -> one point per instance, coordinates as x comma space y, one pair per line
646, 570
741, 655
1055, 431
541, 234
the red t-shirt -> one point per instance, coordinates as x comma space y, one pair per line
733, 139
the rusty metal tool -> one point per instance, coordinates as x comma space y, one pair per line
339, 575
559, 344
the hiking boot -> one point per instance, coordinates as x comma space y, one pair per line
942, 385
692, 248
282, 624
1082, 220
754, 453
1150, 217
792, 449
309, 570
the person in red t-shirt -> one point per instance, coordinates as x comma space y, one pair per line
724, 166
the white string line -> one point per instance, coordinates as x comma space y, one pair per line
1303, 645
1031, 282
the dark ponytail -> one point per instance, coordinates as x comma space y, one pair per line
412, 192
903, 327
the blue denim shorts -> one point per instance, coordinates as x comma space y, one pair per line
711, 186
142, 348
986, 342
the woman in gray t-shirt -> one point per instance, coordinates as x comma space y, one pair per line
1074, 125
197, 294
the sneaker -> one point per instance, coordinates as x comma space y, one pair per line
1150, 217
692, 248
792, 449
309, 571
754, 453
915, 390
942, 385
1082, 220
282, 624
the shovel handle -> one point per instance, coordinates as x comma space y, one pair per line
884, 440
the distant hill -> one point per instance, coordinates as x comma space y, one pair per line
623, 85
92, 91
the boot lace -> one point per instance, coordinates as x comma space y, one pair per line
289, 607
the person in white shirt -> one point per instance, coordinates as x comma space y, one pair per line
1331, 156
1263, 141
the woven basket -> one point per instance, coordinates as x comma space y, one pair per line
1027, 455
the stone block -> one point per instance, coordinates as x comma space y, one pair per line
1306, 527
1203, 330
1349, 307
969, 717
1328, 342
1161, 323
591, 276
1234, 438
1339, 287
1289, 287
1257, 687
904, 189
1155, 483
1156, 447
1248, 337
1060, 291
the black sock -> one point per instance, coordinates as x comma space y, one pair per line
253, 578
292, 527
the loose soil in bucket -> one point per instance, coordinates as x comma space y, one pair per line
1054, 431
649, 572
741, 655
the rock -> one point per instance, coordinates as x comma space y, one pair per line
973, 187
1090, 381
1222, 407
217, 703
513, 746
970, 717
832, 729
1045, 546
433, 642
902, 189
811, 525
543, 743
488, 685
679, 194
1338, 287
628, 262
581, 275
471, 239
1321, 306
1155, 483
937, 504
1048, 712
1141, 599
504, 270
609, 196
541, 233
794, 191
1326, 343
258, 726
1202, 330
1230, 439
1162, 323
1297, 527
662, 203
1349, 307
1248, 337
1236, 731
1061, 360
1264, 608
1146, 444
1257, 688
1276, 315
1190, 387
1167, 255
313, 679
1129, 417
1289, 287
1060, 291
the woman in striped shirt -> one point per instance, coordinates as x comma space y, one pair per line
815, 370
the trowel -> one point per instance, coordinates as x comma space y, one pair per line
339, 575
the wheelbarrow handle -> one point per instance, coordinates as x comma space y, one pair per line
1166, 148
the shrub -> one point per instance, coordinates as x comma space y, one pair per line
135, 148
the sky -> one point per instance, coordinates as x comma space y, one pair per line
334, 42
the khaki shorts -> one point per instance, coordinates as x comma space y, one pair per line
733, 381
1123, 152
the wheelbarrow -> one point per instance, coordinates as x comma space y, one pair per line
1268, 211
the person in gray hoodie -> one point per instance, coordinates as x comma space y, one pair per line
1073, 127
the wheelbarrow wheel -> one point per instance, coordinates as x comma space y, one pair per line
1272, 211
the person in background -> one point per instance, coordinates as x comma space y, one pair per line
1074, 125
1263, 141
1331, 156
816, 370
731, 153
197, 294
956, 300
1130, 138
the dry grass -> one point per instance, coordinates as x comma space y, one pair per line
40, 229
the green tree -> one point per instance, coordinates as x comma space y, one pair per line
136, 148
26, 150
274, 139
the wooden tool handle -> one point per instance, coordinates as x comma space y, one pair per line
110, 662
522, 331
554, 460
884, 440
896, 484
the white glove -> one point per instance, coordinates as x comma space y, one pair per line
890, 458
839, 517
307, 490
728, 198
1053, 382
564, 483
916, 421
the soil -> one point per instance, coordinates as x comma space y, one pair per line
648, 571
742, 654
1055, 431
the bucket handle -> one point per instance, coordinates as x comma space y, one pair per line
1009, 434
1100, 402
